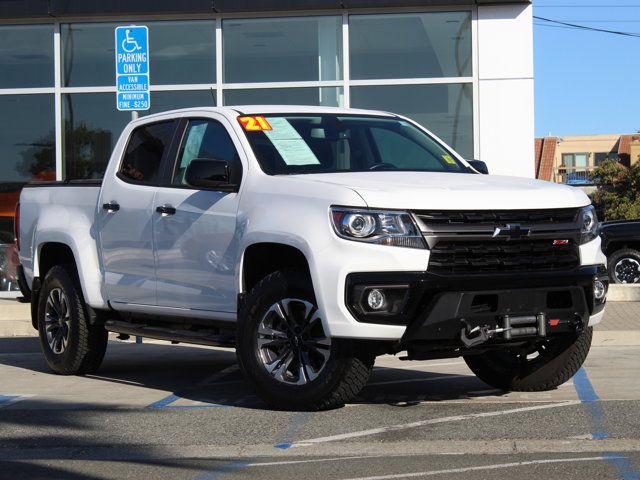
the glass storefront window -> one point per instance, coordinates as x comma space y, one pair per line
180, 52
446, 110
326, 96
163, 101
26, 56
27, 152
92, 126
282, 49
413, 45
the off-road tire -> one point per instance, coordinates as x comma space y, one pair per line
618, 255
345, 373
87, 343
557, 362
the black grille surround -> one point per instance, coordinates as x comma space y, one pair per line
501, 241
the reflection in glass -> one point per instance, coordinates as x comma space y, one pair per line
92, 126
326, 96
413, 45
163, 101
180, 52
26, 56
27, 152
282, 49
446, 110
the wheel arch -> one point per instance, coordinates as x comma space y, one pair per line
262, 258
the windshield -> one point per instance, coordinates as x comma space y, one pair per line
293, 144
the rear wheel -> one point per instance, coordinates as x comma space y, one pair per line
69, 343
624, 266
284, 350
543, 366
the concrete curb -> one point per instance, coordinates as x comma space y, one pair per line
623, 293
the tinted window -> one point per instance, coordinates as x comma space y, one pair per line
282, 49
181, 52
412, 45
26, 56
142, 159
206, 139
446, 110
324, 96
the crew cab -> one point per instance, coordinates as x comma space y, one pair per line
312, 240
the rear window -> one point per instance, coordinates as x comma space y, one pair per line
143, 157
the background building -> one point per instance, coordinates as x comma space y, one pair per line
463, 68
571, 159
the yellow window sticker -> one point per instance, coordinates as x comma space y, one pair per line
449, 159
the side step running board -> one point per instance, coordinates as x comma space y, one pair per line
171, 335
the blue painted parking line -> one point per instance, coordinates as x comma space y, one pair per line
295, 425
6, 400
587, 394
169, 400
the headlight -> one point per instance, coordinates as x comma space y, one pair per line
588, 224
373, 226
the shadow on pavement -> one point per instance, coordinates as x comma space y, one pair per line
201, 377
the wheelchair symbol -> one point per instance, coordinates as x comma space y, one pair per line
130, 44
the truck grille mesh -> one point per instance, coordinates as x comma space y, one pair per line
499, 217
501, 256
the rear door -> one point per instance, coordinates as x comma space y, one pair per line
196, 248
127, 204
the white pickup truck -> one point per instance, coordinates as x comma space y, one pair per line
312, 240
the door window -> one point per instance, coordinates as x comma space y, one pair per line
143, 157
206, 139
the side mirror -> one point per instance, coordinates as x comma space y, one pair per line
210, 174
479, 166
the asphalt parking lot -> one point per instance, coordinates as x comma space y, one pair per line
165, 411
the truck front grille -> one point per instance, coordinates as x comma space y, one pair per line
501, 240
449, 257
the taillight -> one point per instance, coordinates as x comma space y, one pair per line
16, 226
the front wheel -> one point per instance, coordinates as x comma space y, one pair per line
543, 366
284, 351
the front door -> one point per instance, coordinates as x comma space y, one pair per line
196, 248
126, 204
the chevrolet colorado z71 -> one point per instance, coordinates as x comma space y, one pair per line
312, 240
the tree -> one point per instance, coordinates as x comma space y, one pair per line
617, 194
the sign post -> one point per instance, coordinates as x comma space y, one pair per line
132, 68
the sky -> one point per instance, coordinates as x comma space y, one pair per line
586, 82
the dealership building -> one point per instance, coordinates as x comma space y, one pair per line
462, 68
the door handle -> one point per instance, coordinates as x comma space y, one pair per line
166, 210
111, 207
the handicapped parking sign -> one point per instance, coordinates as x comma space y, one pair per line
132, 67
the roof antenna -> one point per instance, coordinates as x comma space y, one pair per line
213, 96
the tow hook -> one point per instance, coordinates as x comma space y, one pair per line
478, 335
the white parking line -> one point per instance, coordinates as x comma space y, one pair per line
485, 467
431, 421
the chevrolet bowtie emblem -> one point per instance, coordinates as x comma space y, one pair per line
511, 232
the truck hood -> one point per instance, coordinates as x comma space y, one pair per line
451, 191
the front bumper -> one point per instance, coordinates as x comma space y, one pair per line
434, 308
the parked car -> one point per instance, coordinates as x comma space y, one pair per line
621, 245
313, 240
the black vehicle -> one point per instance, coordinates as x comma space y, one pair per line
621, 245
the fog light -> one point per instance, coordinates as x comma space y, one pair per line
376, 299
599, 290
